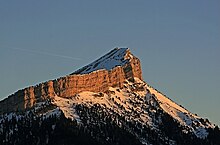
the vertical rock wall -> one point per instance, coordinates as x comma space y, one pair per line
97, 81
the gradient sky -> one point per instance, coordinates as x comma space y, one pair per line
178, 43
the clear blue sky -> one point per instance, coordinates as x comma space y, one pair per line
178, 43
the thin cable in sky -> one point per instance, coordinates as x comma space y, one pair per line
44, 53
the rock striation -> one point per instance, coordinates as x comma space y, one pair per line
111, 70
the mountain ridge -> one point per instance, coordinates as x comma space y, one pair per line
124, 66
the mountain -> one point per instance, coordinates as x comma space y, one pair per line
106, 102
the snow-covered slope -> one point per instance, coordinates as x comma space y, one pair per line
116, 57
189, 120
136, 101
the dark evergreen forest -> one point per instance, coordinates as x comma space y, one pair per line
97, 127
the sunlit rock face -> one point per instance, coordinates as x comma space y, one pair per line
111, 70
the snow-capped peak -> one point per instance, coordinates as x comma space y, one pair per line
118, 98
116, 57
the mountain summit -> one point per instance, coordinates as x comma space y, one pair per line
105, 102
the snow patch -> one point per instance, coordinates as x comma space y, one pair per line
50, 113
67, 107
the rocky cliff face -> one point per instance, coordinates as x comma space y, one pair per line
111, 70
